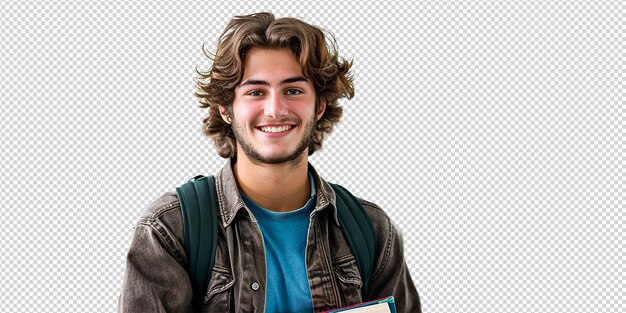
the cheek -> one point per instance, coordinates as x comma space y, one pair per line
243, 114
310, 112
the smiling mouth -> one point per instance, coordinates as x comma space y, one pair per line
276, 129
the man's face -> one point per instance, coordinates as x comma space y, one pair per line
273, 113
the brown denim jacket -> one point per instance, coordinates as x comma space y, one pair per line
155, 279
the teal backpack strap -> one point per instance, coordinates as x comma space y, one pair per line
198, 206
359, 232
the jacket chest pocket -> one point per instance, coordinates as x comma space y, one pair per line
217, 298
349, 279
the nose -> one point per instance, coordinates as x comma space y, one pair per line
275, 105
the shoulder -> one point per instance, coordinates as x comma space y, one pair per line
165, 204
389, 246
385, 229
378, 216
164, 217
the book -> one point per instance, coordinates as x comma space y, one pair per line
382, 305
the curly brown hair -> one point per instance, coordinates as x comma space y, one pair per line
316, 53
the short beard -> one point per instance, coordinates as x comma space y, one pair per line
291, 160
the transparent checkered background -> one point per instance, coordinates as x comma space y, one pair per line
491, 132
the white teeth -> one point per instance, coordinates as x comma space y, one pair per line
275, 129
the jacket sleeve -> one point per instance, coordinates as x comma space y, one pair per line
391, 275
155, 279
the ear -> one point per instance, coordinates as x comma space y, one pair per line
322, 109
224, 114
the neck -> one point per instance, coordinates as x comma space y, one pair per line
276, 187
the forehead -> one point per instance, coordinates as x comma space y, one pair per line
270, 64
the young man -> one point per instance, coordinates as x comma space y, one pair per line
272, 95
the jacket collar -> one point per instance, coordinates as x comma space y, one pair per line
230, 201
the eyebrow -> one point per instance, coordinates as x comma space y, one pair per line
265, 83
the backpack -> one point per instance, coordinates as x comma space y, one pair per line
200, 228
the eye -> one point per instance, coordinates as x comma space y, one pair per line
255, 93
293, 92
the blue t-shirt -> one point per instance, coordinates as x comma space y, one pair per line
285, 237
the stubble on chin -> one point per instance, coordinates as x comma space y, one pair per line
291, 160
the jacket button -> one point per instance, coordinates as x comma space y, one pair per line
255, 286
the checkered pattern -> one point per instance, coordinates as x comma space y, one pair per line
492, 133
